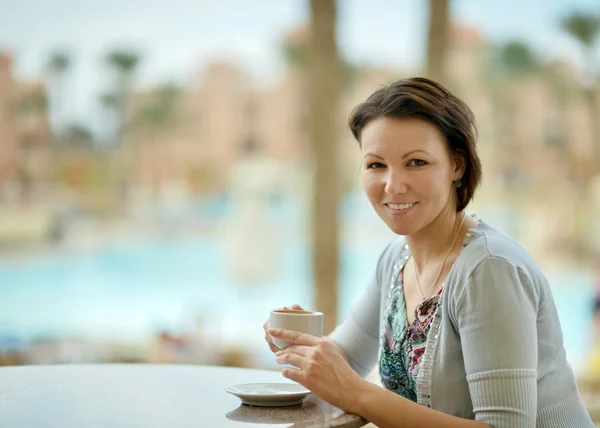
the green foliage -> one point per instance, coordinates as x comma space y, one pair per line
78, 134
295, 54
32, 103
584, 27
160, 112
59, 61
125, 61
109, 100
515, 58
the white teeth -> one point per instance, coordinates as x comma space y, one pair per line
400, 206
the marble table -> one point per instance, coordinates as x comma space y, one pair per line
148, 396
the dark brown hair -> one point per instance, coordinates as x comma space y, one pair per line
423, 98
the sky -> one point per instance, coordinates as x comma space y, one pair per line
176, 38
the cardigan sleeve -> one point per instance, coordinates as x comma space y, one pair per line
358, 334
496, 316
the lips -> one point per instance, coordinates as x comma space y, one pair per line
403, 206
401, 209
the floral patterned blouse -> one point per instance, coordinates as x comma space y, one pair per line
403, 343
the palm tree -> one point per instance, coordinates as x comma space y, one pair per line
517, 59
295, 53
109, 103
34, 103
437, 39
78, 136
585, 28
58, 65
153, 121
30, 104
124, 62
108, 100
159, 114
509, 64
324, 80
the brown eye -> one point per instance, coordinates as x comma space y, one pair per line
417, 162
375, 165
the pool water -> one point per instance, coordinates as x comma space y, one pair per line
130, 291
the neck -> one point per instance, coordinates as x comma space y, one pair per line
430, 245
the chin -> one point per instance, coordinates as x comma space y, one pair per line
398, 230
400, 227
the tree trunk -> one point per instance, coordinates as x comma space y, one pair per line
437, 39
592, 98
323, 92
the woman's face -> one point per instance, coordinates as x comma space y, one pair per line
407, 172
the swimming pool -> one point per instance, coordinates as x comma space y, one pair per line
129, 291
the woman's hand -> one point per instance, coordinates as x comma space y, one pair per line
320, 367
266, 328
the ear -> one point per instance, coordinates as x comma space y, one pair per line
460, 165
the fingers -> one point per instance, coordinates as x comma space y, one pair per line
304, 351
272, 346
293, 374
267, 330
292, 359
269, 340
293, 307
294, 337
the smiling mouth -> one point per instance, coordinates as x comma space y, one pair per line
399, 207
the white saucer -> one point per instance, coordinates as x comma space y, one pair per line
270, 394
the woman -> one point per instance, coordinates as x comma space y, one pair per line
459, 316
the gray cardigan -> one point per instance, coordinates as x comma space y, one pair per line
495, 349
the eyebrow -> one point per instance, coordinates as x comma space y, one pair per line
403, 157
372, 155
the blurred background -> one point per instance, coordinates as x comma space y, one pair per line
170, 174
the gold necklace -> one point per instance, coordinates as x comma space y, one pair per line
441, 266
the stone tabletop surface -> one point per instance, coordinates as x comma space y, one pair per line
148, 396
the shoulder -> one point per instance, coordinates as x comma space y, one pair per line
491, 248
496, 263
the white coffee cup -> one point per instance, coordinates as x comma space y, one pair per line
296, 320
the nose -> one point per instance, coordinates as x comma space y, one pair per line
395, 183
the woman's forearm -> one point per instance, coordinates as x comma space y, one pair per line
389, 410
